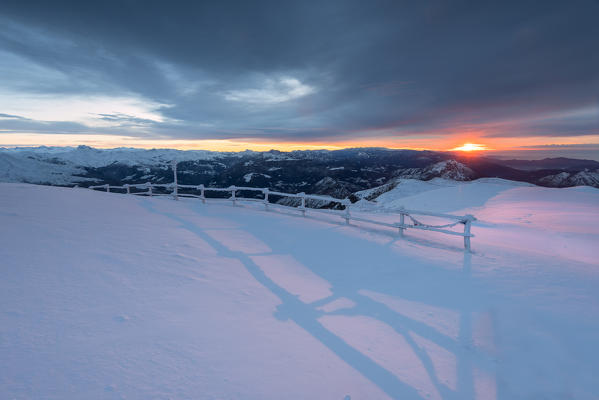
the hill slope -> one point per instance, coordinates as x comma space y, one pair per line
108, 296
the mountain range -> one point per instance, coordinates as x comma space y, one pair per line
339, 173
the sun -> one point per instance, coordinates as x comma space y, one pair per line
470, 147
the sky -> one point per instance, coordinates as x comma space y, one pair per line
231, 75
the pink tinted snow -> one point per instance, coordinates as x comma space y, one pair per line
386, 347
104, 295
445, 363
554, 222
290, 274
238, 240
337, 304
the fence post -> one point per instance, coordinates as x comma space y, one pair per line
232, 187
149, 185
347, 216
107, 188
128, 188
175, 184
467, 225
201, 187
265, 191
303, 206
401, 221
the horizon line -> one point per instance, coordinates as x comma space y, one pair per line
502, 153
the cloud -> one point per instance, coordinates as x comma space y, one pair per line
583, 121
273, 91
293, 71
90, 111
11, 117
571, 146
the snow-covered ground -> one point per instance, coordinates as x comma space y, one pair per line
512, 215
108, 296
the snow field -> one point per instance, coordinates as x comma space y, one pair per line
107, 296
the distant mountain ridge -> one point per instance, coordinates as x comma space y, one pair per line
338, 173
551, 163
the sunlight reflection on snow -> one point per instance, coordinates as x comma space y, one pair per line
294, 277
386, 347
238, 240
337, 304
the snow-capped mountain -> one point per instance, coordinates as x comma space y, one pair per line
448, 169
337, 173
86, 156
19, 167
561, 163
565, 179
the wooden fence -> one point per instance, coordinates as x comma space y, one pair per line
407, 218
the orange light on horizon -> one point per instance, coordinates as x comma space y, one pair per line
463, 144
470, 147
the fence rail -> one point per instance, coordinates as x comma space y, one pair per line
407, 218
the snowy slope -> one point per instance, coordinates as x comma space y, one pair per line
516, 215
448, 169
441, 195
105, 296
581, 178
17, 168
90, 157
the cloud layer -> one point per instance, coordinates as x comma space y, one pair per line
300, 71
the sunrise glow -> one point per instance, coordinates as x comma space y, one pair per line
470, 147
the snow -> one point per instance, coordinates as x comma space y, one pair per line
558, 221
449, 169
90, 157
109, 296
582, 178
14, 168
440, 195
248, 177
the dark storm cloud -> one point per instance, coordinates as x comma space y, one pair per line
311, 70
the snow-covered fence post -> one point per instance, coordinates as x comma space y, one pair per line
347, 216
232, 187
303, 205
107, 186
467, 224
128, 188
175, 185
201, 188
401, 221
265, 191
149, 185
